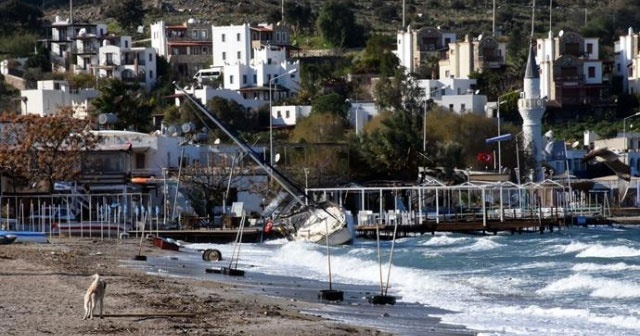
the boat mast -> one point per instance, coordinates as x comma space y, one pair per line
284, 182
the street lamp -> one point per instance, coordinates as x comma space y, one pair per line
424, 117
624, 125
500, 102
306, 183
271, 113
348, 101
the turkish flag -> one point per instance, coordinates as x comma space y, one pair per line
484, 157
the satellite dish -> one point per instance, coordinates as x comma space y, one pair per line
188, 127
575, 144
276, 158
201, 137
174, 130
107, 118
216, 141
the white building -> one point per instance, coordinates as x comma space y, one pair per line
206, 93
418, 47
51, 95
74, 46
456, 95
254, 59
83, 48
288, 115
360, 113
570, 70
186, 46
627, 61
472, 55
127, 63
151, 156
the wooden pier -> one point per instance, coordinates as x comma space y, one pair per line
464, 226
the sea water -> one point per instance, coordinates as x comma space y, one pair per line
575, 281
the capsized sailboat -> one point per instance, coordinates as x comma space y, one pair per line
304, 218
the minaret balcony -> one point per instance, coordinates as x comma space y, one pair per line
536, 103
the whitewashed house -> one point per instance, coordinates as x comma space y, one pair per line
455, 95
627, 61
289, 115
127, 63
186, 46
416, 47
472, 55
254, 60
51, 95
571, 72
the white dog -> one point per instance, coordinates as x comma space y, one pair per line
93, 296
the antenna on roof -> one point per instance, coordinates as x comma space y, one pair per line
550, 12
533, 16
403, 17
70, 11
494, 18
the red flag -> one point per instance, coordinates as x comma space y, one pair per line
484, 157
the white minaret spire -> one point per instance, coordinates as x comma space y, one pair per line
531, 107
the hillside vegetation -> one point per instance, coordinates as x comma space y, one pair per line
460, 16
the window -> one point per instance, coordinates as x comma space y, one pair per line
239, 55
451, 107
589, 48
224, 55
126, 44
194, 33
205, 51
244, 79
203, 34
279, 114
592, 72
150, 57
223, 38
151, 74
140, 160
230, 79
463, 107
238, 37
268, 61
255, 79
286, 114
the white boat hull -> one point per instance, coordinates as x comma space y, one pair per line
325, 224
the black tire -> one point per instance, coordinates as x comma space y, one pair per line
205, 254
212, 255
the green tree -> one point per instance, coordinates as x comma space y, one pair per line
331, 103
128, 13
17, 16
378, 57
129, 103
337, 25
233, 115
319, 128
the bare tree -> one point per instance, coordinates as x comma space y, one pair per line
42, 150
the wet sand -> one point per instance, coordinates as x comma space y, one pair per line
42, 288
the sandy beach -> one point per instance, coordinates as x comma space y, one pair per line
42, 288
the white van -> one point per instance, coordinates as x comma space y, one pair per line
207, 74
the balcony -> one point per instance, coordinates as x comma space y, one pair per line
569, 80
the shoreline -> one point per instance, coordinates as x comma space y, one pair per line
42, 285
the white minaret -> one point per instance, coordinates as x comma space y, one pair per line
531, 107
